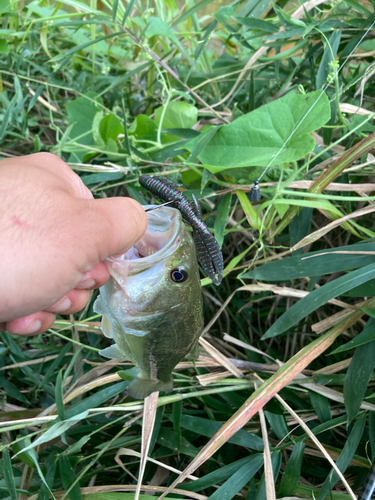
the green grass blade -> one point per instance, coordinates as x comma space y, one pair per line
357, 377
346, 455
8, 475
319, 297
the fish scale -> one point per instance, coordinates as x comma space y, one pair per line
208, 251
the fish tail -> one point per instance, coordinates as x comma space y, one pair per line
140, 388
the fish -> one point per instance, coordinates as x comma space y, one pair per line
152, 304
208, 249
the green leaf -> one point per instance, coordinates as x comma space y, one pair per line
8, 475
328, 57
178, 114
5, 6
68, 477
371, 425
34, 457
321, 406
276, 464
219, 474
110, 127
76, 447
357, 377
257, 24
274, 133
184, 133
332, 260
208, 428
144, 128
176, 418
24, 457
292, 472
81, 113
59, 396
221, 217
191, 11
278, 424
90, 179
4, 47
367, 335
34, 98
198, 144
127, 11
289, 19
51, 466
204, 41
6, 118
56, 430
369, 312
318, 297
99, 397
300, 227
239, 479
13, 391
250, 212
345, 457
156, 27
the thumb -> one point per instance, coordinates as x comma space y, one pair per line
112, 226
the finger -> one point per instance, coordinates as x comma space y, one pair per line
73, 302
57, 166
32, 324
110, 225
95, 278
57, 169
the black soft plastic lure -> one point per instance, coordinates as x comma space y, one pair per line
208, 250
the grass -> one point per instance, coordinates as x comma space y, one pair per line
214, 97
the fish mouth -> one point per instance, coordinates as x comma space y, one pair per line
160, 238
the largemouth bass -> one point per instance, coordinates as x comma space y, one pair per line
152, 304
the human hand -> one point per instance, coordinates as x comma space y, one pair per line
53, 239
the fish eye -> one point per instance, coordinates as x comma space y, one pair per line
178, 275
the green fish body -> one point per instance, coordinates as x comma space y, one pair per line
152, 304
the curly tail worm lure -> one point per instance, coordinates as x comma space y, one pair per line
369, 486
208, 250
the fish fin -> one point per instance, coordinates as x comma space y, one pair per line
194, 351
140, 388
107, 318
112, 352
98, 306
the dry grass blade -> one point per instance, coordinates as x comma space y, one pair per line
91, 490
333, 186
268, 472
284, 291
149, 413
334, 368
258, 399
33, 361
350, 108
223, 360
318, 444
324, 230
132, 453
330, 393
233, 340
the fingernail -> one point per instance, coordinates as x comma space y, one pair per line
63, 305
86, 284
32, 328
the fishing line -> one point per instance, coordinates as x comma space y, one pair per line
255, 194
